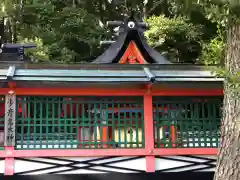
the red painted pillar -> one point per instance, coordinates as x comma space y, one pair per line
9, 161
149, 132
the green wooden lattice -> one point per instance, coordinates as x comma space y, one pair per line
77, 122
187, 122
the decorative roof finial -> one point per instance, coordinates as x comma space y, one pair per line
130, 38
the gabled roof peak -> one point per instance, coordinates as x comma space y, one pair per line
130, 45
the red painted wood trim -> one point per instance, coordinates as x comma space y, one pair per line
75, 92
132, 50
138, 54
2, 153
108, 152
4, 91
76, 153
9, 161
12, 84
126, 54
149, 132
112, 92
150, 163
185, 151
187, 92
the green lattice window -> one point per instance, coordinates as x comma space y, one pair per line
79, 122
2, 113
187, 122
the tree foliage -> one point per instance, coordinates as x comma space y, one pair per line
67, 33
176, 37
213, 51
70, 31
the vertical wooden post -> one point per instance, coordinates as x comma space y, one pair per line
173, 135
104, 136
104, 129
9, 131
149, 132
9, 161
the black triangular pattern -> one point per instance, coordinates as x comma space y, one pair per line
207, 162
89, 165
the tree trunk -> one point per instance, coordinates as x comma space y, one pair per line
10, 33
14, 30
73, 3
144, 9
228, 163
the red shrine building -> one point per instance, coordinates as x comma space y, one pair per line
128, 111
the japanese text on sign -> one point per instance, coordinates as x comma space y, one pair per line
10, 115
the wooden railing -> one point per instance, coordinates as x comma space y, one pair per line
59, 122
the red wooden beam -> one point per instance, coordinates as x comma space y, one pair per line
184, 151
4, 91
12, 84
75, 92
149, 132
107, 152
75, 153
113, 92
187, 92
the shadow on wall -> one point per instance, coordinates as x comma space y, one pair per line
120, 176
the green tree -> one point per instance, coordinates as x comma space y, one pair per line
213, 50
177, 38
68, 32
226, 13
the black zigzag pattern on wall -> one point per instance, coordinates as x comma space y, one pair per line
52, 165
88, 165
193, 163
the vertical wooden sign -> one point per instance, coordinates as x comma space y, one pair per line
10, 118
